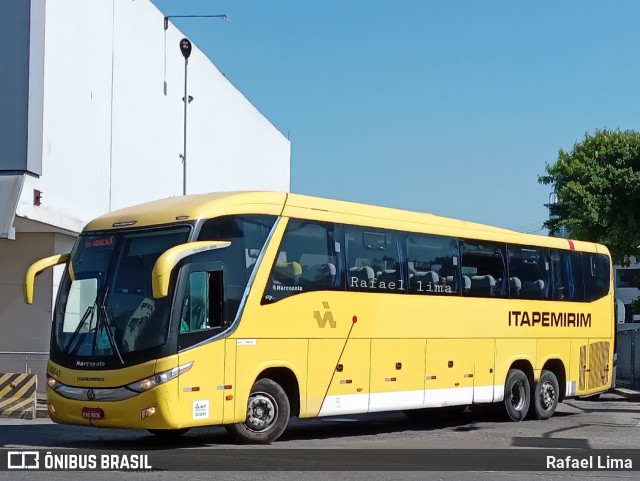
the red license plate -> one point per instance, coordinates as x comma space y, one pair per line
92, 413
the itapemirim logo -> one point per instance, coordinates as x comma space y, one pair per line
327, 317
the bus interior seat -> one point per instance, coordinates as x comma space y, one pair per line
466, 283
533, 289
411, 267
482, 285
420, 280
318, 275
287, 273
389, 275
532, 280
364, 273
515, 285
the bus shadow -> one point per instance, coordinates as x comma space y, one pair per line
354, 426
384, 423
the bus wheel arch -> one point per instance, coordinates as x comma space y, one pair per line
289, 383
517, 390
556, 366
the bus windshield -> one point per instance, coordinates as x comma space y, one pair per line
105, 307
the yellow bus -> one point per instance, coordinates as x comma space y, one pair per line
245, 309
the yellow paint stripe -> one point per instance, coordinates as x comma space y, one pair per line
11, 382
20, 393
6, 380
17, 407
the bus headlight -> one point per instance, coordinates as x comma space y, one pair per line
150, 382
53, 383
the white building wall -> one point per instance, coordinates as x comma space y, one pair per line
112, 138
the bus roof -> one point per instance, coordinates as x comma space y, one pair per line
206, 206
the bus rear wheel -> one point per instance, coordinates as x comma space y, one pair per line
268, 412
517, 395
545, 396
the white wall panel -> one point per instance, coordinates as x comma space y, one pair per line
112, 138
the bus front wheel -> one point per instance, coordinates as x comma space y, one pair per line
268, 412
545, 396
517, 395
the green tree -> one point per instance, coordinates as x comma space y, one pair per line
598, 189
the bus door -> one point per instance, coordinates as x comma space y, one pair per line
202, 321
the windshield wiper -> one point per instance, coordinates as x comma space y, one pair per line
87, 314
109, 325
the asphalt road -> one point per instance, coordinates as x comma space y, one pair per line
371, 447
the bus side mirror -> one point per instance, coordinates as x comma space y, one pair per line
165, 264
620, 312
36, 268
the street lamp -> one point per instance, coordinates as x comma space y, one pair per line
185, 48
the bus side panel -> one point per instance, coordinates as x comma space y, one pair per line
552, 349
338, 384
254, 356
229, 380
509, 351
449, 372
397, 374
484, 370
201, 388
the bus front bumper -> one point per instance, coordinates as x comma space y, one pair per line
147, 410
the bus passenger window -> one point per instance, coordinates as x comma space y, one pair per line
568, 282
432, 263
308, 260
374, 261
529, 273
596, 275
483, 267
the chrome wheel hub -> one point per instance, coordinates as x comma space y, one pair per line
262, 412
547, 395
517, 396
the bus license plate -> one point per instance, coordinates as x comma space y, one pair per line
92, 413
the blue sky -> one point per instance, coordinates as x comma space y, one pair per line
451, 107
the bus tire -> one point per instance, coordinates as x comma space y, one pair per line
517, 395
168, 433
268, 412
545, 396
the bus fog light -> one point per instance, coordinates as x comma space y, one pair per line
52, 408
147, 412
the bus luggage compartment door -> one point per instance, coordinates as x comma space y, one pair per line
338, 384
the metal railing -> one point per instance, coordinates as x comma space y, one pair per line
628, 362
31, 362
